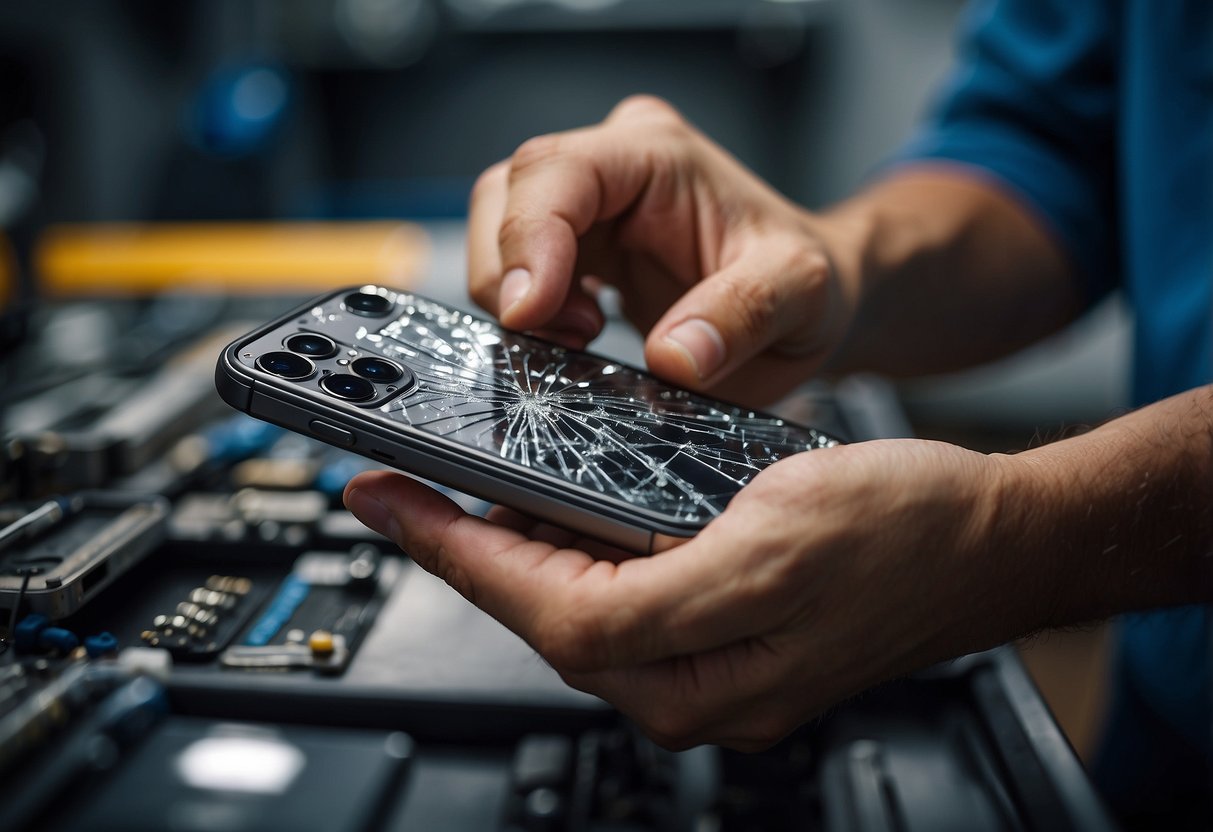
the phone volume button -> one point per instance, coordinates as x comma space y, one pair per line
331, 433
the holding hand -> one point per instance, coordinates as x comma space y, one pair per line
832, 571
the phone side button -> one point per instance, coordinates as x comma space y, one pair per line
331, 433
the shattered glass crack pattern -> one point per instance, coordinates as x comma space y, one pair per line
583, 419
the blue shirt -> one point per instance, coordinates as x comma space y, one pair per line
1098, 117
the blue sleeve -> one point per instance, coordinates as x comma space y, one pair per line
1032, 104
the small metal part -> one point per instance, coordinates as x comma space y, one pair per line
229, 584
295, 636
37, 521
278, 474
321, 643
151, 637
287, 656
323, 568
198, 614
160, 622
256, 506
364, 562
212, 598
294, 535
279, 656
269, 530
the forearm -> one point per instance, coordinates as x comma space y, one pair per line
1118, 519
947, 272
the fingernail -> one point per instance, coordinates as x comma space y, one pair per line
514, 286
373, 514
701, 343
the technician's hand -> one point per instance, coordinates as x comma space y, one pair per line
718, 269
832, 571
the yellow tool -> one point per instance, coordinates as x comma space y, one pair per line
241, 258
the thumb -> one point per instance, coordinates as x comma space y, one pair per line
779, 294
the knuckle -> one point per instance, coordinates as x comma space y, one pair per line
515, 229
815, 263
535, 151
753, 301
809, 263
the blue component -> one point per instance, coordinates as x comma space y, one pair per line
57, 638
290, 595
100, 645
332, 478
131, 711
239, 109
28, 631
240, 437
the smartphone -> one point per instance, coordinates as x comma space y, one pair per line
58, 555
569, 437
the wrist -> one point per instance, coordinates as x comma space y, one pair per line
934, 248
1033, 534
1121, 518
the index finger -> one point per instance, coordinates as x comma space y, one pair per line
559, 186
575, 324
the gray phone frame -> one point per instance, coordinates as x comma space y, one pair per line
423, 454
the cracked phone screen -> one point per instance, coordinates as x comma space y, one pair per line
578, 417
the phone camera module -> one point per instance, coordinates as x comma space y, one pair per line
311, 344
347, 387
377, 369
286, 365
367, 305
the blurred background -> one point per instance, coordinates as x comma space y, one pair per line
119, 121
366, 109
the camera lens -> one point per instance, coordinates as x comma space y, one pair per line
350, 388
367, 305
377, 369
286, 365
308, 343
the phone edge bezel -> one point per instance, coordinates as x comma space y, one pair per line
524, 479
